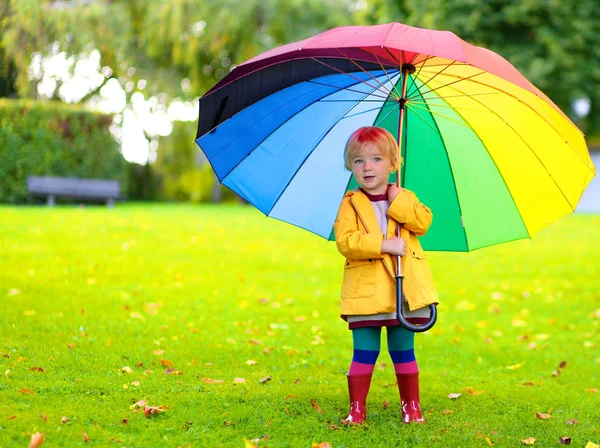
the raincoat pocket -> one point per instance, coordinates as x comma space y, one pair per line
359, 279
421, 269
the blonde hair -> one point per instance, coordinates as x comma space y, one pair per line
378, 136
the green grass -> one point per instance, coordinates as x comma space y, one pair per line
86, 292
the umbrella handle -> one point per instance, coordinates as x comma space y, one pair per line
400, 311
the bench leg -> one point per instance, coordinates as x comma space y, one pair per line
51, 200
110, 203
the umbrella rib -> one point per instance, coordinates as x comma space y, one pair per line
424, 121
446, 106
368, 73
452, 174
347, 89
453, 82
517, 99
431, 79
398, 95
365, 111
528, 146
307, 157
345, 73
377, 122
459, 96
441, 115
393, 57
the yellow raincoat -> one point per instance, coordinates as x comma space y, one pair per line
369, 286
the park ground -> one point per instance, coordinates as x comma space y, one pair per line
222, 326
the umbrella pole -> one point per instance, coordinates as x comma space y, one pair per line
406, 70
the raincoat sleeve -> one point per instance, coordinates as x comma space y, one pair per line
407, 209
351, 241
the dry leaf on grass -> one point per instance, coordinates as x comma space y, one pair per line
251, 362
239, 380
528, 441
158, 352
64, 420
447, 412
591, 445
454, 396
543, 416
124, 421
255, 342
473, 392
137, 405
152, 410
249, 444
211, 381
43, 416
24, 390
265, 379
85, 437
321, 445
172, 372
36, 369
572, 422
165, 362
37, 439
386, 404
316, 406
126, 369
564, 440
12, 417
592, 390
515, 366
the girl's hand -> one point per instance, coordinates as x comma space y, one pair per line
392, 193
394, 246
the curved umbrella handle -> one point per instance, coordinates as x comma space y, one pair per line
402, 318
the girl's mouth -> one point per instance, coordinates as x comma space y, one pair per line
369, 177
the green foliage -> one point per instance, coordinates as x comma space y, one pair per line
87, 292
55, 140
184, 172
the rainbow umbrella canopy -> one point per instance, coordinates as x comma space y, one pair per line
487, 151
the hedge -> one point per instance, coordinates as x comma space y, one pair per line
54, 139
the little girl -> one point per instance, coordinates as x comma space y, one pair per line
365, 232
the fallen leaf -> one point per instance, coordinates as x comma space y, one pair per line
126, 369
473, 392
85, 437
287, 397
572, 422
71, 346
593, 390
386, 404
564, 440
158, 352
172, 372
239, 380
591, 445
333, 427
64, 420
251, 362
321, 445
44, 417
140, 364
562, 365
137, 405
135, 383
37, 439
14, 292
297, 381
255, 342
447, 412
316, 406
24, 390
124, 421
265, 379
152, 410
249, 444
7, 373
211, 381
165, 362
543, 416
528, 441
36, 369
528, 384
454, 396
29, 312
12, 417
556, 373
515, 367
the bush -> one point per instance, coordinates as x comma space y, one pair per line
54, 139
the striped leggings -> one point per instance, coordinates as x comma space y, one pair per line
367, 343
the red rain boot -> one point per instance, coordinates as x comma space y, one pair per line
358, 388
408, 385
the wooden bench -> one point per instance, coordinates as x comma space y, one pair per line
71, 187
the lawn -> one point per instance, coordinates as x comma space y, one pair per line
231, 321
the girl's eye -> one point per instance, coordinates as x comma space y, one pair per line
358, 161
377, 159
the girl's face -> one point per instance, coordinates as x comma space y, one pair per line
371, 168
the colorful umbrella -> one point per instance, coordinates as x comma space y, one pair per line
487, 151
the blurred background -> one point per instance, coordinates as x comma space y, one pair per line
108, 88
